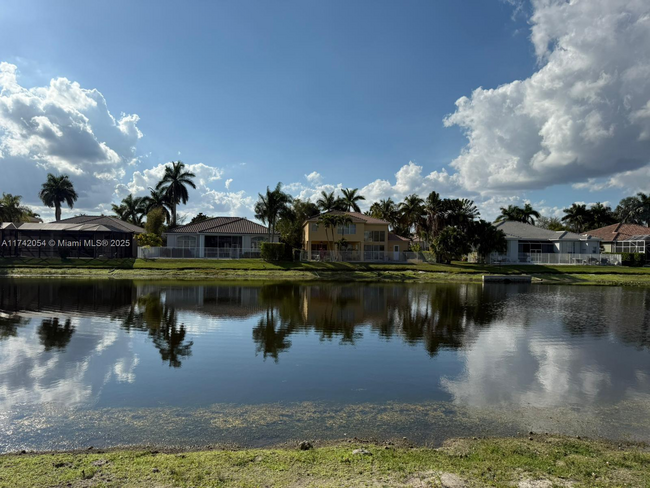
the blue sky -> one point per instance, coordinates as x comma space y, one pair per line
347, 92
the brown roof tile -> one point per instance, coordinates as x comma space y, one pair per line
395, 237
619, 232
221, 225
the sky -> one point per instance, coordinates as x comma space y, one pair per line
499, 101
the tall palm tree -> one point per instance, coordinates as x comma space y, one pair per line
157, 199
643, 207
131, 210
600, 216
350, 199
270, 206
328, 202
384, 209
412, 209
57, 190
433, 215
174, 185
577, 216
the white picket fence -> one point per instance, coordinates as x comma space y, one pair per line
196, 253
558, 259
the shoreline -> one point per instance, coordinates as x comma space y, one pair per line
615, 278
532, 460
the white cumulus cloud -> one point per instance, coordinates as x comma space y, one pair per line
584, 114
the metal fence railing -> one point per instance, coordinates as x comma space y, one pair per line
558, 259
197, 253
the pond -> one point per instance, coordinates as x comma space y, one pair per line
118, 362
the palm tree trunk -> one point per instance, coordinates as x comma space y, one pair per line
57, 211
173, 214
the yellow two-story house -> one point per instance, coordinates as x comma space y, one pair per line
364, 239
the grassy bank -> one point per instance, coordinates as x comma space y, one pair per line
258, 269
535, 461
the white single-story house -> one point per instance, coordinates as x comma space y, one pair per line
219, 237
527, 242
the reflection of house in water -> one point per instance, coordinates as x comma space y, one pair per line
66, 296
215, 301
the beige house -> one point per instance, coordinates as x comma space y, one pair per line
364, 239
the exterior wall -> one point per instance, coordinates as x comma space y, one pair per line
513, 250
403, 246
608, 246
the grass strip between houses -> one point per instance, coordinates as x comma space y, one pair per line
535, 461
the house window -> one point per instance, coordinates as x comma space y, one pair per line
256, 242
347, 229
374, 236
186, 242
630, 246
373, 248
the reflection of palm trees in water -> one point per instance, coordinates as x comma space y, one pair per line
9, 326
54, 334
437, 316
270, 335
161, 321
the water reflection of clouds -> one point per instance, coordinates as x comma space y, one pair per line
70, 376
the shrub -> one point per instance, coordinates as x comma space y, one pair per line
148, 240
155, 222
273, 251
639, 259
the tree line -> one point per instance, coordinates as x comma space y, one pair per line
579, 218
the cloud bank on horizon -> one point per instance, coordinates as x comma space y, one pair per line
582, 118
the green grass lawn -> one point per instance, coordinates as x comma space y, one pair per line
257, 269
538, 461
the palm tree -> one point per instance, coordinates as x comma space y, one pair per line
328, 202
331, 222
131, 210
157, 199
510, 213
174, 185
460, 213
270, 206
384, 209
643, 207
527, 214
55, 191
600, 216
577, 216
350, 199
11, 209
412, 209
433, 215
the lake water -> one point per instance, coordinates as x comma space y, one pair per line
120, 362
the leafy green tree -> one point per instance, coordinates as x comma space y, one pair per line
270, 206
550, 223
174, 185
155, 223
485, 239
434, 216
57, 190
290, 226
200, 217
451, 244
350, 199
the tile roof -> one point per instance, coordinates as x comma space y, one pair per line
355, 216
519, 230
395, 237
221, 225
113, 223
58, 226
619, 232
